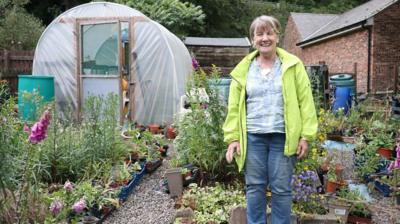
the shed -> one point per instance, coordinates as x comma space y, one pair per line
222, 52
99, 47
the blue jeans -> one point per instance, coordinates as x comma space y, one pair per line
267, 165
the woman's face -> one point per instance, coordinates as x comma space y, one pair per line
265, 40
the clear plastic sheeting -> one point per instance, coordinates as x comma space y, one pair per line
161, 65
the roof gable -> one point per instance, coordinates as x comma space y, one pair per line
348, 19
308, 23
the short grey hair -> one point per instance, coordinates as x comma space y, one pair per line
264, 22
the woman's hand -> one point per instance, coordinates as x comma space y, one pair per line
232, 148
302, 148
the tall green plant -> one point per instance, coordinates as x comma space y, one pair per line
200, 136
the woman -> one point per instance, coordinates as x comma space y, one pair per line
271, 118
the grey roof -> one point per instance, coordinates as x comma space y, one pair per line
308, 23
351, 17
225, 42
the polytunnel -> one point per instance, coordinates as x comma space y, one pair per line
99, 47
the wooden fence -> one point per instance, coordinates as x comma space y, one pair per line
13, 63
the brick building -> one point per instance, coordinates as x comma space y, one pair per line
364, 41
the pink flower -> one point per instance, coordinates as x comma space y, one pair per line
390, 167
79, 206
27, 129
56, 207
195, 63
39, 129
68, 186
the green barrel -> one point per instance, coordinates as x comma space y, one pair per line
222, 86
44, 85
343, 80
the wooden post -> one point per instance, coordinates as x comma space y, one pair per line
132, 72
6, 59
78, 69
396, 79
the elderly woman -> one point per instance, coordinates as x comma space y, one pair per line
271, 118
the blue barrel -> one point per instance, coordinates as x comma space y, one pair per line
343, 80
343, 98
222, 86
44, 85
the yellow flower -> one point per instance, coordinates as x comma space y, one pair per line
305, 167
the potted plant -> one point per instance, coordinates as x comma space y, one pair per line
359, 214
170, 134
154, 128
384, 141
331, 181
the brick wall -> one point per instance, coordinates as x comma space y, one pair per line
345, 54
386, 49
292, 36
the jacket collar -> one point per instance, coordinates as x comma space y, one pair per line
239, 73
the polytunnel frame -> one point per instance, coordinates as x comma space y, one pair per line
79, 22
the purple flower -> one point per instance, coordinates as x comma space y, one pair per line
79, 206
56, 206
39, 129
195, 63
68, 186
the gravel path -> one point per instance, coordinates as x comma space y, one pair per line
384, 211
148, 204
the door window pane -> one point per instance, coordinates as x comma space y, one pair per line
100, 49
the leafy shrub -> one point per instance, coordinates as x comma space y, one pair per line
178, 16
200, 135
19, 30
213, 203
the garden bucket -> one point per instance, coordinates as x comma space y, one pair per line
175, 183
44, 85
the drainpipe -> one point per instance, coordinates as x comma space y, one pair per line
368, 24
369, 59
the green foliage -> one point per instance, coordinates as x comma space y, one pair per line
12, 144
4, 91
94, 195
87, 150
213, 203
179, 17
19, 30
367, 159
200, 135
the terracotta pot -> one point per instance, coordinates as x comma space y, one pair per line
170, 133
385, 152
358, 220
154, 128
331, 187
341, 184
339, 171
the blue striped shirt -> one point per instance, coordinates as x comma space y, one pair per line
265, 100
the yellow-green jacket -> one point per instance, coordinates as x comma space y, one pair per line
299, 110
